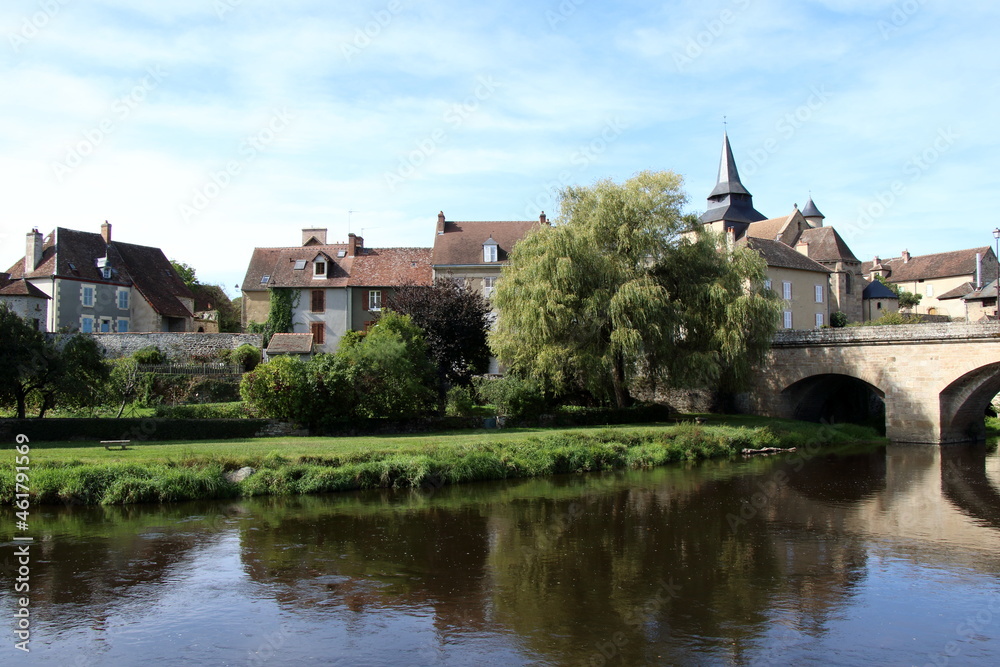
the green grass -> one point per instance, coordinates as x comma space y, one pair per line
86, 473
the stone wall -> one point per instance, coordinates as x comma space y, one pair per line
178, 347
902, 333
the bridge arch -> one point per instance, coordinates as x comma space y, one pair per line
963, 403
835, 398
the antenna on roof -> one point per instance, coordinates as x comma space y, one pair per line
724, 124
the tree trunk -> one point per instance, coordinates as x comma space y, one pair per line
20, 397
622, 396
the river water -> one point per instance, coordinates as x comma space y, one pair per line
887, 555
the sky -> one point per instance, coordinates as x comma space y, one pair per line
210, 127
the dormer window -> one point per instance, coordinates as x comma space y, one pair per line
106, 273
319, 268
490, 250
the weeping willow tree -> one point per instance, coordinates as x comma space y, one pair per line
615, 291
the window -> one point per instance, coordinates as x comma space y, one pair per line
930, 290
36, 323
319, 332
767, 284
490, 251
819, 320
319, 269
122, 325
819, 294
106, 273
87, 296
105, 325
375, 300
123, 299
87, 324
848, 283
788, 319
300, 264
786, 290
489, 283
318, 301
265, 279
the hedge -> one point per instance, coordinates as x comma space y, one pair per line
55, 430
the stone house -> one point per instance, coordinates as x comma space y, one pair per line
96, 284
475, 252
877, 300
25, 300
809, 298
336, 287
942, 279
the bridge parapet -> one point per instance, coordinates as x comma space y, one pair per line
892, 334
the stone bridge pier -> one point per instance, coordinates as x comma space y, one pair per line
935, 380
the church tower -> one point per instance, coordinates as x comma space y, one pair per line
730, 205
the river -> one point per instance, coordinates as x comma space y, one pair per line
871, 555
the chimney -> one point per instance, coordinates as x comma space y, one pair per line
979, 270
106, 232
542, 219
318, 233
440, 228
354, 244
906, 256
33, 251
802, 247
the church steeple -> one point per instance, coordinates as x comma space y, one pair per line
730, 202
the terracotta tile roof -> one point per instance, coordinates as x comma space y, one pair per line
826, 245
19, 287
777, 254
69, 253
965, 289
461, 244
290, 343
767, 229
278, 264
390, 267
938, 265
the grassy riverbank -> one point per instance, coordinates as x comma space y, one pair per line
86, 473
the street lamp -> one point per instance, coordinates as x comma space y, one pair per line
996, 238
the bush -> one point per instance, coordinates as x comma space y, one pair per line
204, 411
512, 396
247, 356
890, 319
838, 320
459, 402
149, 355
278, 390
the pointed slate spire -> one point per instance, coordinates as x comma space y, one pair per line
810, 210
730, 201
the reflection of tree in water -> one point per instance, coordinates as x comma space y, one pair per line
966, 485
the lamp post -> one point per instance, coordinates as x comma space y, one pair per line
996, 239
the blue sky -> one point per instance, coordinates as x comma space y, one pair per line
208, 127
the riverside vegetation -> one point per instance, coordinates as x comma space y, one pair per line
79, 473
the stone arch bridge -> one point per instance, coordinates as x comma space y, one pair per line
935, 380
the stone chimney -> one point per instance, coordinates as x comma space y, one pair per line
802, 247
354, 244
440, 227
542, 219
906, 256
106, 232
33, 251
318, 233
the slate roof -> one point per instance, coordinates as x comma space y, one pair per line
729, 199
777, 254
19, 287
938, 265
69, 253
876, 290
989, 291
461, 244
810, 210
370, 267
290, 343
826, 245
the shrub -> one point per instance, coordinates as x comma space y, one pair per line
149, 355
278, 390
838, 320
514, 397
459, 402
247, 356
890, 319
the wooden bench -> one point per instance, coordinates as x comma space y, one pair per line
116, 444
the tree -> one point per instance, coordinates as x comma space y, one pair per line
455, 321
614, 291
906, 299
187, 273
78, 375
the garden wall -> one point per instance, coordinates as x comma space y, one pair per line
178, 347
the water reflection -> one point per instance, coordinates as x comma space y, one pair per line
854, 557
